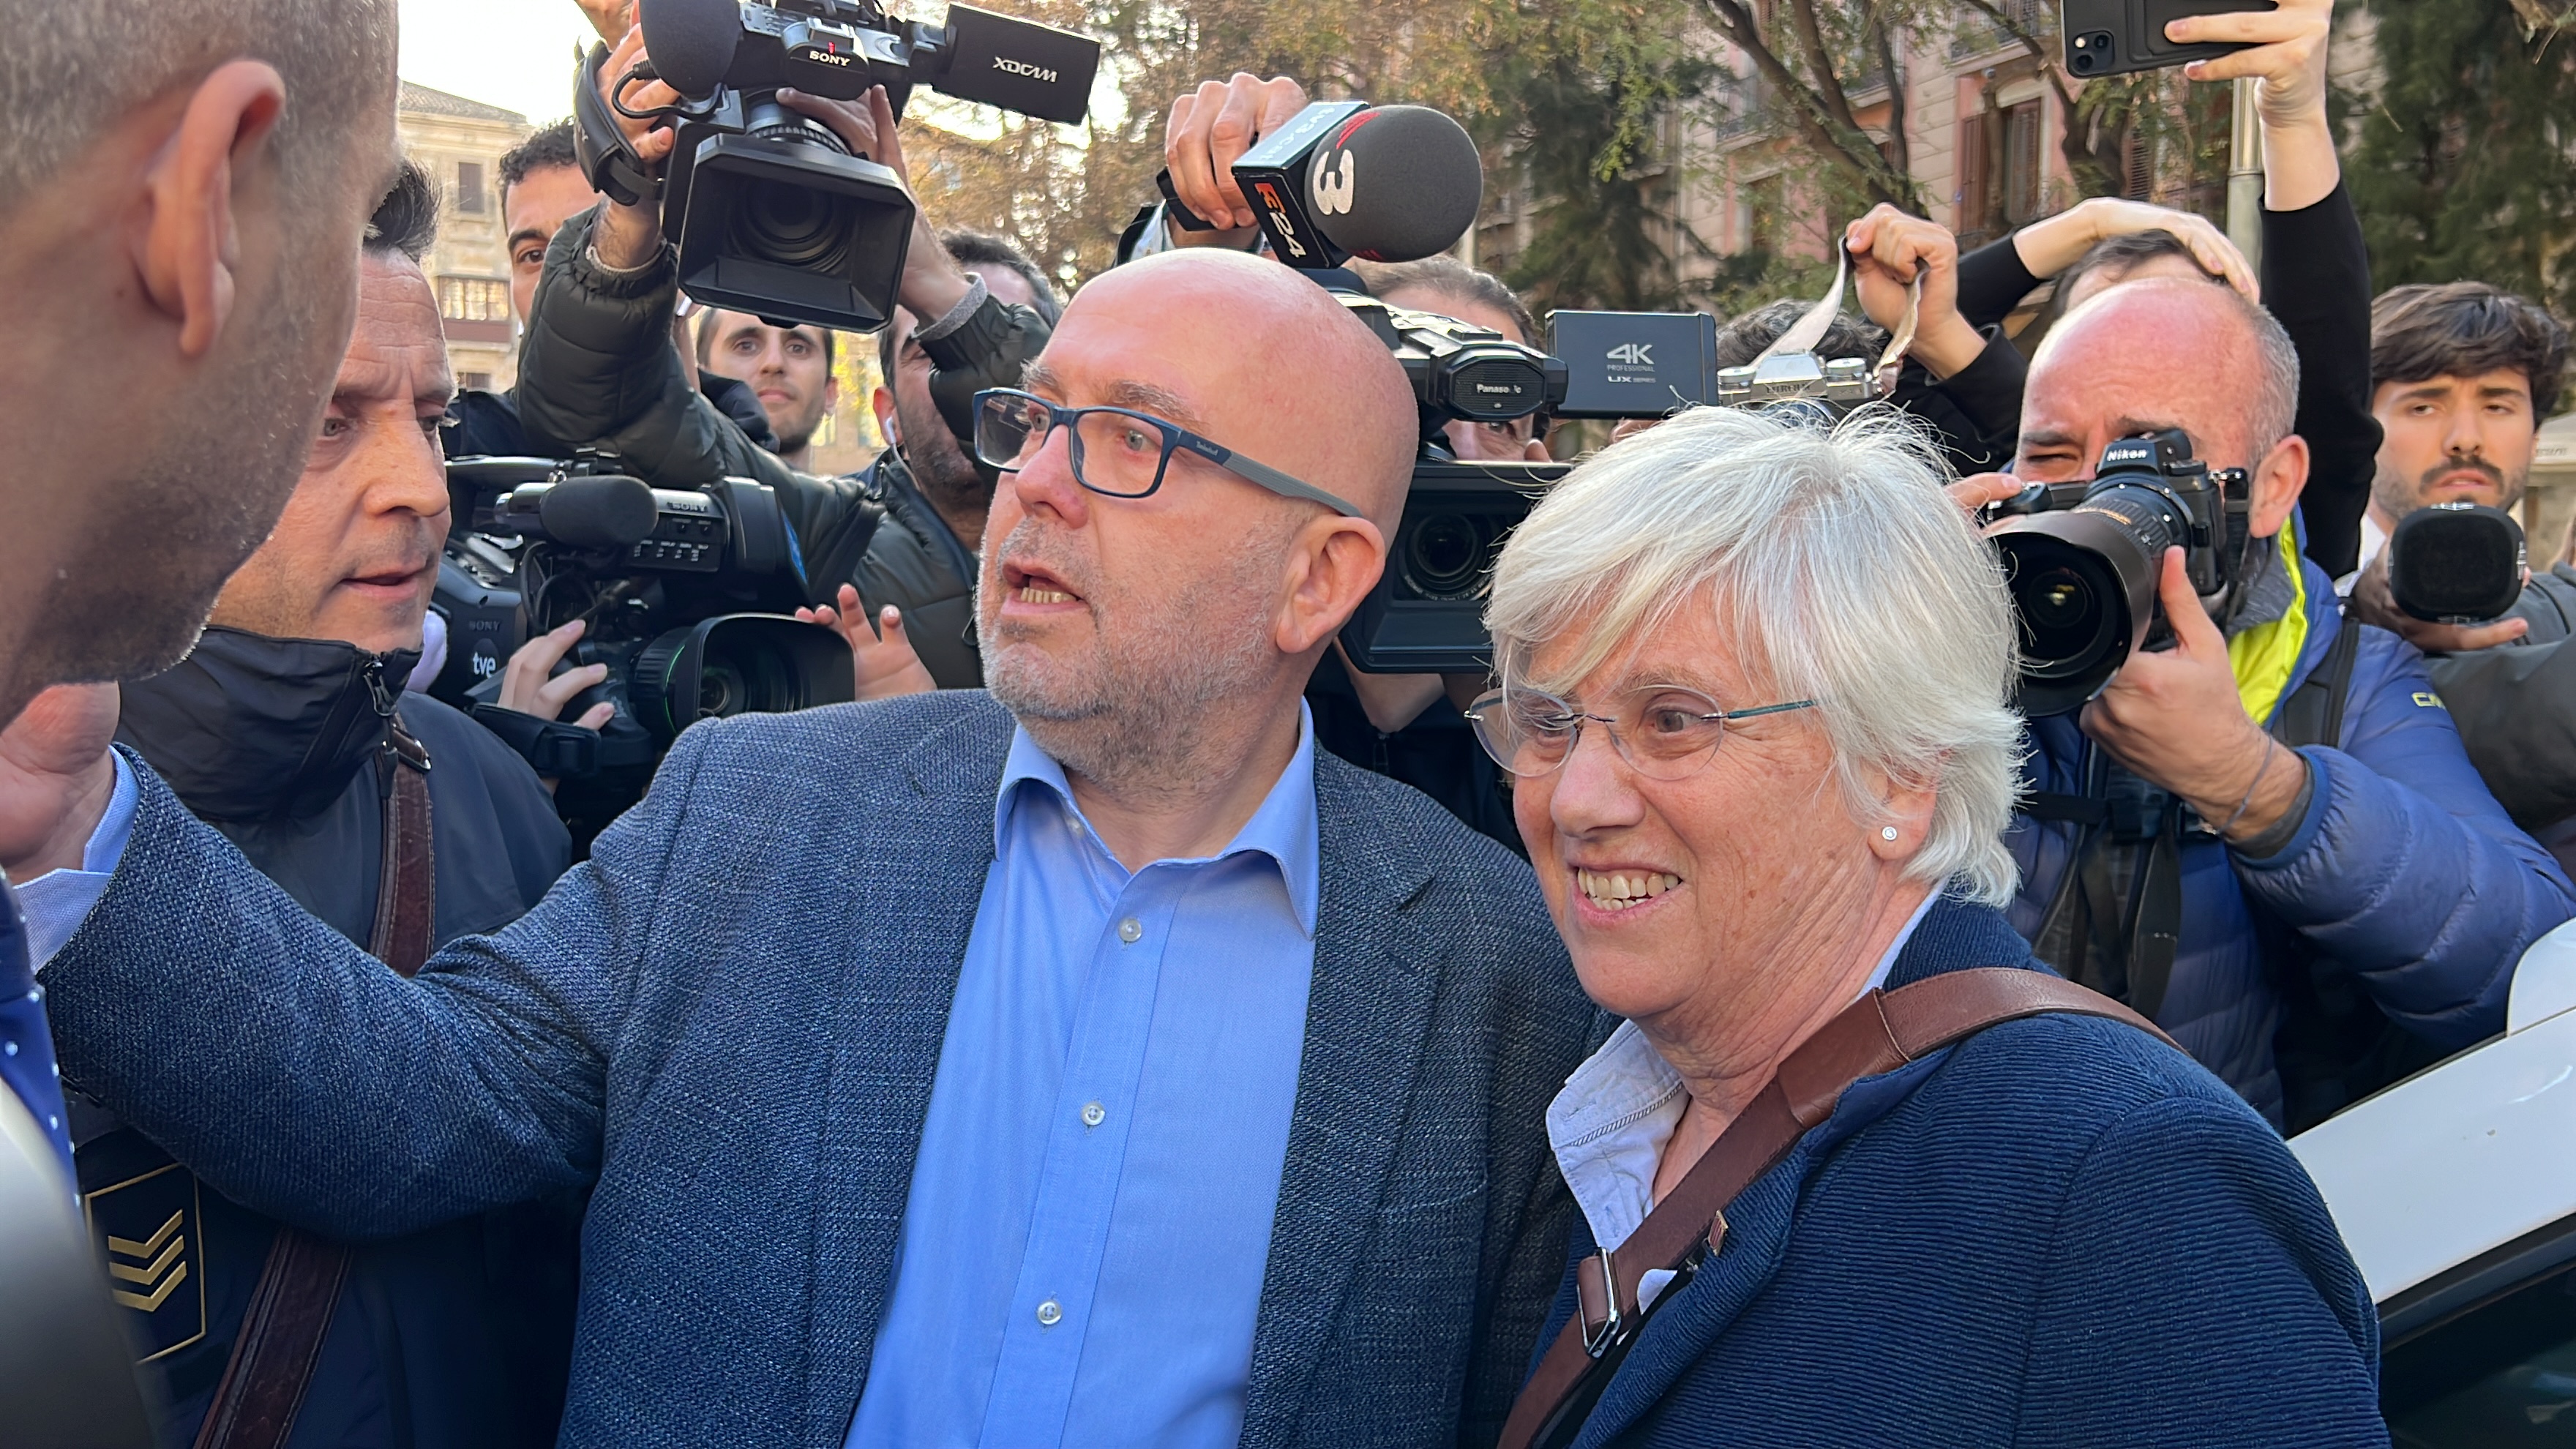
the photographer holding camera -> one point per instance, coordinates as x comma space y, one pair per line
402, 824
596, 370
542, 187
2267, 837
2464, 374
2315, 277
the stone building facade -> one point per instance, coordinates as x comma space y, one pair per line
461, 142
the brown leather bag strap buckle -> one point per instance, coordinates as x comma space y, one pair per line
1605, 1304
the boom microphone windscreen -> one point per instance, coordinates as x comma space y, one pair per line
691, 41
1395, 184
604, 510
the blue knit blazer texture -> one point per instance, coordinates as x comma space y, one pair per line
2060, 1232
728, 1019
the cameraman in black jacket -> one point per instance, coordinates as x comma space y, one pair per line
597, 368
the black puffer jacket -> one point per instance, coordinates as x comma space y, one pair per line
595, 371
454, 1338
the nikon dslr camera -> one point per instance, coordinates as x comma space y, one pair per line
2082, 560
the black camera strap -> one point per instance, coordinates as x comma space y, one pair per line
2115, 923
2116, 919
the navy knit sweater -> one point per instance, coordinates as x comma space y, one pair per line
2059, 1232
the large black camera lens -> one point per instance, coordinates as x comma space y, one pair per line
1446, 555
2083, 586
737, 664
782, 221
794, 226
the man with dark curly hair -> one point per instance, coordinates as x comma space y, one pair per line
2463, 374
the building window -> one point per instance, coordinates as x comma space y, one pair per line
474, 381
473, 299
1764, 201
469, 187
2021, 126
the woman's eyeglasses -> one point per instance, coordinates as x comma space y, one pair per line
1663, 731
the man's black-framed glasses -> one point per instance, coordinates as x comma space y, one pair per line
1118, 452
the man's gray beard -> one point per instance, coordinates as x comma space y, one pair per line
1137, 711
133, 592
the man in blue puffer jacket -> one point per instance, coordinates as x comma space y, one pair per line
2311, 890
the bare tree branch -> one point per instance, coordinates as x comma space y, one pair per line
1875, 24
1835, 143
1820, 62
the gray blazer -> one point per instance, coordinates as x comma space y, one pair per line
728, 1020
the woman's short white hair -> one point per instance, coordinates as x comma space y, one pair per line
1846, 573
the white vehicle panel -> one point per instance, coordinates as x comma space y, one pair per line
2469, 1155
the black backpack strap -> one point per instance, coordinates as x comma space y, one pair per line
2313, 712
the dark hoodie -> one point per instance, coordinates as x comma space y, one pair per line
458, 1336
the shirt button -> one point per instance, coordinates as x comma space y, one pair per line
1093, 1114
1130, 930
1049, 1314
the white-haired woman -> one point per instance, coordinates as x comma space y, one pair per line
1756, 682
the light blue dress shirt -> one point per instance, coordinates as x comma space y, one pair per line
56, 902
35, 920
1090, 1211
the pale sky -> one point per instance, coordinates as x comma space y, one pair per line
512, 53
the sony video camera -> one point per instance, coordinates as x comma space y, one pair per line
2082, 560
683, 593
770, 211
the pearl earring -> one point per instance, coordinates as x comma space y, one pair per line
1887, 832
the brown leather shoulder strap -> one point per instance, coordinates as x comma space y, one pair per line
406, 889
290, 1309
281, 1337
1878, 1033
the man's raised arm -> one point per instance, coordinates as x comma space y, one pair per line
301, 1076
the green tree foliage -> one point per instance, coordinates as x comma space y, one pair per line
2464, 160
1574, 116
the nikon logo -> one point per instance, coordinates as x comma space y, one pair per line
1022, 67
1635, 354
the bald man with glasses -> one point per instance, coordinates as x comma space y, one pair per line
1091, 1061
